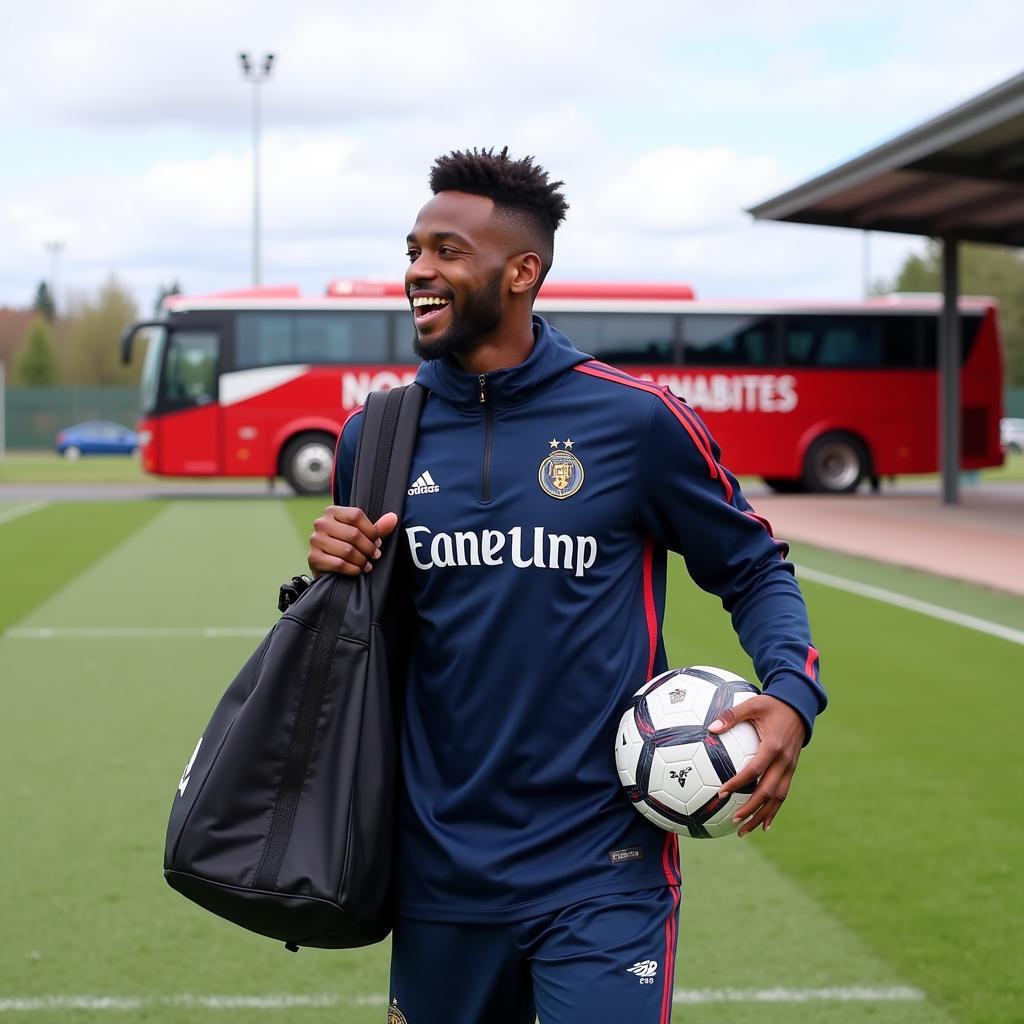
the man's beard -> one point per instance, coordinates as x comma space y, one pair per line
480, 315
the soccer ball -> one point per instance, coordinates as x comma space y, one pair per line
670, 765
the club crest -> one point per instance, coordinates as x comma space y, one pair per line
395, 1015
561, 472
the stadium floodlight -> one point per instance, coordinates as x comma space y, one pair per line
257, 76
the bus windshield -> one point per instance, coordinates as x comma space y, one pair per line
150, 382
190, 368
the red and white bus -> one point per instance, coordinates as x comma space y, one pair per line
808, 396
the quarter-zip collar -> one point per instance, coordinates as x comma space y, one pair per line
552, 354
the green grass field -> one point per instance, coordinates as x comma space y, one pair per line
887, 893
50, 468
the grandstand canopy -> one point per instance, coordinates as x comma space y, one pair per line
957, 177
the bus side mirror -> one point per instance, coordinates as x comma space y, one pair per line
128, 338
126, 346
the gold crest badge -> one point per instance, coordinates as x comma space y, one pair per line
395, 1015
561, 472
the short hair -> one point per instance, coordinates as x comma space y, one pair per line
520, 189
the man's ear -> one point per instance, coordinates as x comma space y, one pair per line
525, 270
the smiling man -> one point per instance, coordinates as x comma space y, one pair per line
545, 492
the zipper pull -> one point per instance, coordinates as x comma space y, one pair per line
482, 379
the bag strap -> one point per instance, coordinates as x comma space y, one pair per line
381, 472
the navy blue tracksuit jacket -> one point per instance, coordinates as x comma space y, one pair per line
542, 501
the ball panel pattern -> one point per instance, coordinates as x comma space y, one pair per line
669, 764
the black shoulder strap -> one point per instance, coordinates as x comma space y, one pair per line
381, 472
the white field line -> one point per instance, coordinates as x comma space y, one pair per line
131, 632
935, 611
853, 994
219, 632
21, 510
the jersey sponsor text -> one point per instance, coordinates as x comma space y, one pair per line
527, 549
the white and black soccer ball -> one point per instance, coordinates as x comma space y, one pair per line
670, 765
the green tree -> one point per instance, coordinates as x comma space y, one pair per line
43, 303
90, 338
37, 364
163, 292
984, 270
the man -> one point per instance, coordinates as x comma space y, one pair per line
544, 493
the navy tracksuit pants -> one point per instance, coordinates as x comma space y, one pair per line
600, 961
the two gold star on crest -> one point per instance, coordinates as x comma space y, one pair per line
568, 443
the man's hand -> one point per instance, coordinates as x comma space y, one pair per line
344, 540
782, 733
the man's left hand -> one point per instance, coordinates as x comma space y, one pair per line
782, 732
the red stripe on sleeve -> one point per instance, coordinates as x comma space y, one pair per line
812, 661
680, 410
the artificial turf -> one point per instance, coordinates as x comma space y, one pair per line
891, 865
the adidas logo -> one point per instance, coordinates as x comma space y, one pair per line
424, 484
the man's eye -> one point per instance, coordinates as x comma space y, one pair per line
413, 255
446, 250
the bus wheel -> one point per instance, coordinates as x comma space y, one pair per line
784, 484
836, 464
307, 461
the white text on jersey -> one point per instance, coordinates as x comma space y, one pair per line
547, 550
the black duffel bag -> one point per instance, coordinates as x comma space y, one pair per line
283, 820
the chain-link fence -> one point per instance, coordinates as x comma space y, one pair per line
34, 415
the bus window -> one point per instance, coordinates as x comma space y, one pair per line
901, 347
403, 333
630, 338
852, 342
190, 372
713, 340
351, 336
354, 337
969, 324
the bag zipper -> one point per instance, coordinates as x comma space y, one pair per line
303, 733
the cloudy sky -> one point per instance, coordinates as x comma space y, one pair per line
126, 130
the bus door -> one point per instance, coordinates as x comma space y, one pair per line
189, 431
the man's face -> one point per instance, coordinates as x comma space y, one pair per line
457, 258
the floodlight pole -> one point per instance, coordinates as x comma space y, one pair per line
257, 76
54, 249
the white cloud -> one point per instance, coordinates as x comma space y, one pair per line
664, 124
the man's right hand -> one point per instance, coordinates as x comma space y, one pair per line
344, 540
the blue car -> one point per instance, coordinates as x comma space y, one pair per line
96, 438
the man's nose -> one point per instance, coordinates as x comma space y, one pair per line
421, 269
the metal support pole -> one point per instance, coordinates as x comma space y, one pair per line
866, 264
949, 374
256, 82
256, 76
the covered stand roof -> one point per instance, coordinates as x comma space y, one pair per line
958, 176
